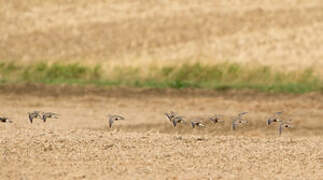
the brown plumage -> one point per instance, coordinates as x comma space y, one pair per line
284, 125
215, 119
113, 118
196, 123
33, 115
46, 115
238, 121
174, 119
177, 119
170, 115
275, 118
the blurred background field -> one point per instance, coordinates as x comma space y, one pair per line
141, 58
286, 35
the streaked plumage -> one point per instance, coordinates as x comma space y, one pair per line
34, 114
238, 121
174, 118
242, 113
177, 119
196, 123
215, 119
234, 125
284, 125
275, 118
46, 115
113, 118
170, 115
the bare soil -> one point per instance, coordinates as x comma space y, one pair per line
79, 145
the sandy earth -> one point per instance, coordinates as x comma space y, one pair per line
79, 145
284, 34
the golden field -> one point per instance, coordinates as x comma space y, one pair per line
79, 145
286, 35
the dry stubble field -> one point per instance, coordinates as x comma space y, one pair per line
285, 34
145, 146
78, 145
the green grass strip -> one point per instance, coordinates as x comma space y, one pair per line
223, 76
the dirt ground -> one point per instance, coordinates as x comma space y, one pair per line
283, 34
79, 145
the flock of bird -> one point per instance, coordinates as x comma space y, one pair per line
32, 115
173, 118
236, 121
41, 115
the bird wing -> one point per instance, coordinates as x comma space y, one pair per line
44, 117
193, 124
52, 115
111, 120
241, 114
234, 125
279, 113
168, 116
31, 117
174, 122
280, 129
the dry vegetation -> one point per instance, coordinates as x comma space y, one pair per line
286, 35
145, 146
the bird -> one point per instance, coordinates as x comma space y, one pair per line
177, 119
239, 121
196, 123
215, 119
113, 118
174, 119
284, 125
5, 120
46, 115
34, 114
241, 114
170, 115
275, 118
